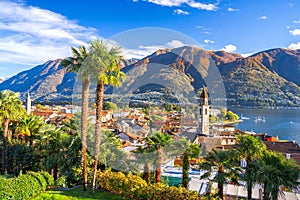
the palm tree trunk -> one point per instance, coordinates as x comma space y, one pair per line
220, 193
99, 104
220, 184
158, 169
84, 110
249, 190
146, 174
4, 146
266, 195
185, 170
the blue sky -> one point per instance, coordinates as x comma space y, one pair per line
34, 31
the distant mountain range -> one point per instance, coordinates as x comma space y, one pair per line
268, 78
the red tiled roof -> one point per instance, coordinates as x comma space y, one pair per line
291, 148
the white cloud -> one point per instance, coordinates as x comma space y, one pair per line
263, 17
31, 35
144, 51
232, 9
209, 41
294, 45
174, 44
229, 48
295, 32
296, 21
181, 12
202, 6
191, 3
204, 30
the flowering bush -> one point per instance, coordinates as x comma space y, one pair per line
134, 187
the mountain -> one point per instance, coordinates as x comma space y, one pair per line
267, 78
45, 82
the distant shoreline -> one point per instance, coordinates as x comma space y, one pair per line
266, 108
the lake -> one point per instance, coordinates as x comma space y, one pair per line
284, 123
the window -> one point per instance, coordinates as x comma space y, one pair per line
206, 111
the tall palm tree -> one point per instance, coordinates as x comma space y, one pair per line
192, 151
250, 148
10, 109
104, 62
275, 171
157, 141
221, 161
75, 64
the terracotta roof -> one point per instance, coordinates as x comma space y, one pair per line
291, 148
211, 143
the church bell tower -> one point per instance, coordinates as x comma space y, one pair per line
28, 104
204, 113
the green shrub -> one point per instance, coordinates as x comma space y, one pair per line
61, 182
134, 187
24, 186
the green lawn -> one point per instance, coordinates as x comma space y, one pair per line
77, 193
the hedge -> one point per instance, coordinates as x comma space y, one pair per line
25, 186
134, 187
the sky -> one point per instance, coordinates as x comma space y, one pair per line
35, 31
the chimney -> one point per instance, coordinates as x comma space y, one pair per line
288, 156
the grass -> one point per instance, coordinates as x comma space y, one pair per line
77, 194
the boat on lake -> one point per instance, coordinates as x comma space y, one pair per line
244, 118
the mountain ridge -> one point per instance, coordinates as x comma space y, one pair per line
267, 78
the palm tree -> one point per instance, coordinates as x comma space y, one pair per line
10, 109
75, 64
106, 70
157, 141
29, 127
221, 162
275, 171
145, 156
250, 148
192, 151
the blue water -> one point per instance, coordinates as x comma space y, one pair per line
282, 123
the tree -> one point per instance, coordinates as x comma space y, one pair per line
231, 116
29, 127
105, 67
275, 171
251, 149
75, 64
59, 150
222, 163
145, 156
10, 109
192, 151
110, 106
157, 141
